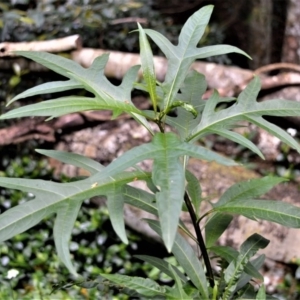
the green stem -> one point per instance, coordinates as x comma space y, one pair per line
200, 240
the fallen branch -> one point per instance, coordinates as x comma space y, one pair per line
57, 45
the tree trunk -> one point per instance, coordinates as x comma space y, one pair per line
260, 33
291, 45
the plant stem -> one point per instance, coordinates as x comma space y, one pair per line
200, 240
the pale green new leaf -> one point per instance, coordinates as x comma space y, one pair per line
107, 95
66, 105
48, 88
146, 287
275, 211
191, 92
246, 108
148, 66
74, 159
187, 259
181, 57
51, 197
66, 216
115, 204
261, 294
163, 266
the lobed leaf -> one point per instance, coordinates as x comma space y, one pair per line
181, 57
246, 108
60, 198
66, 105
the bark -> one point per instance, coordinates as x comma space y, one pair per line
260, 33
291, 45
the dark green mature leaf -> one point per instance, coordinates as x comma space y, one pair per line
237, 266
163, 266
246, 108
181, 57
187, 259
240, 191
249, 189
275, 211
215, 226
146, 287
251, 271
229, 254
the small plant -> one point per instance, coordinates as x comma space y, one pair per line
172, 185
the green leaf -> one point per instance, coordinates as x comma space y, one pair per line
251, 271
163, 266
74, 159
115, 204
233, 272
249, 189
64, 199
63, 226
48, 88
66, 105
181, 57
240, 191
246, 108
148, 66
261, 294
193, 189
192, 90
229, 254
107, 95
168, 174
177, 291
275, 211
215, 226
187, 259
146, 287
